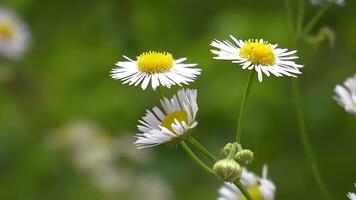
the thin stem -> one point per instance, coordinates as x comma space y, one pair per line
201, 148
244, 100
287, 4
315, 19
306, 142
243, 190
298, 106
300, 17
195, 158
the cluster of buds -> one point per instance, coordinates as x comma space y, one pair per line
229, 169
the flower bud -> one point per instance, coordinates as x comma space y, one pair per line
244, 157
227, 170
227, 149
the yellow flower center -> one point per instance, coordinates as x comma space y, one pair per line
155, 62
258, 53
6, 30
255, 193
169, 119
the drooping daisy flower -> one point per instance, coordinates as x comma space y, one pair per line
14, 35
259, 188
346, 95
159, 68
258, 55
172, 125
321, 2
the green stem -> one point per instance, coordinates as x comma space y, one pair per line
315, 19
288, 6
243, 190
306, 142
201, 148
244, 100
298, 105
300, 17
209, 170
195, 158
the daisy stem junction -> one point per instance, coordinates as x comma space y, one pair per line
209, 170
244, 100
195, 158
243, 190
296, 96
201, 148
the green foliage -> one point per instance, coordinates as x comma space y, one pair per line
65, 76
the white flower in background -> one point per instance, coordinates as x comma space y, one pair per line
352, 196
321, 2
346, 95
95, 153
130, 152
171, 126
258, 55
151, 187
14, 35
104, 159
155, 67
260, 188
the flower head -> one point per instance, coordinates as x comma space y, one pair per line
227, 170
14, 36
321, 2
260, 188
346, 95
172, 125
258, 55
157, 67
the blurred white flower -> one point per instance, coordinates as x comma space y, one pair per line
104, 159
14, 35
258, 55
157, 127
351, 195
260, 188
159, 68
345, 95
151, 187
128, 151
321, 2
92, 151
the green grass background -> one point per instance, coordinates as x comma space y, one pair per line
65, 76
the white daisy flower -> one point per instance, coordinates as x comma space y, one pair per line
14, 35
259, 55
351, 195
159, 68
259, 188
346, 95
170, 126
321, 2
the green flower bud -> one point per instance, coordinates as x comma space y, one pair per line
227, 170
244, 157
227, 149
324, 38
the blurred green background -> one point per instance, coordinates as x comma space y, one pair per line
64, 77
